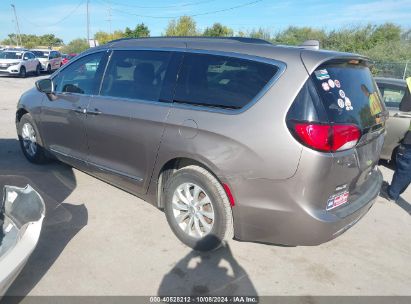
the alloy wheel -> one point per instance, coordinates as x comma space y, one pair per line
29, 139
193, 210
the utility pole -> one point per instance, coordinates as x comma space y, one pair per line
405, 70
109, 16
88, 24
17, 25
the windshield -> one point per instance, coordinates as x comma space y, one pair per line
40, 54
349, 94
10, 55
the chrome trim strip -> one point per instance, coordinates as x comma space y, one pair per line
103, 168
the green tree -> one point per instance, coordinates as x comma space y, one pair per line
75, 46
260, 34
184, 26
104, 37
141, 30
31, 41
218, 30
296, 35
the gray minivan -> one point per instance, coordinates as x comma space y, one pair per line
232, 137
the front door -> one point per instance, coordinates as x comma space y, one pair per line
63, 126
125, 122
398, 123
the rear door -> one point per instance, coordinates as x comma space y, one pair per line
399, 122
125, 122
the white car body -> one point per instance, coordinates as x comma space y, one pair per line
50, 60
11, 62
24, 214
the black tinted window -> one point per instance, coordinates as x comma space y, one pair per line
221, 81
349, 94
82, 76
136, 74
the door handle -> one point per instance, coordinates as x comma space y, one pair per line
80, 110
95, 112
402, 115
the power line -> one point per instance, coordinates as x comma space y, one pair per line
192, 15
164, 6
59, 21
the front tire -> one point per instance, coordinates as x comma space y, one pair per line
30, 140
197, 208
23, 72
48, 69
38, 70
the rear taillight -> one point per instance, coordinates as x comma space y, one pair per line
327, 138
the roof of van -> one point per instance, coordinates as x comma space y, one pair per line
240, 45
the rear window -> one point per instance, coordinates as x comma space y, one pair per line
220, 81
349, 94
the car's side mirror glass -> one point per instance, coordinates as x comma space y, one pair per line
45, 86
26, 58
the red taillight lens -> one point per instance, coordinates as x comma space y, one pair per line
314, 136
328, 138
345, 137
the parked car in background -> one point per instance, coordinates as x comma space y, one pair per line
394, 91
50, 60
227, 135
67, 58
24, 211
19, 63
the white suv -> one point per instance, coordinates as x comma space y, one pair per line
50, 60
19, 63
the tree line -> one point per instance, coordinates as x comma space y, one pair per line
386, 42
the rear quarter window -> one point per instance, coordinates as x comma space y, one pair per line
349, 94
221, 81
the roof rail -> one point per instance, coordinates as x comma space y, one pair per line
311, 44
239, 39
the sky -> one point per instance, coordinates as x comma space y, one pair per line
67, 19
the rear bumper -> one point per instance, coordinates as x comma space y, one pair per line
274, 216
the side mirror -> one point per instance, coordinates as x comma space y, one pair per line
26, 58
46, 86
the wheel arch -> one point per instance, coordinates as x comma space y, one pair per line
19, 114
172, 165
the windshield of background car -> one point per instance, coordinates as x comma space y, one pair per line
349, 93
40, 54
11, 55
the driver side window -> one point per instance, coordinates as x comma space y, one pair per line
82, 76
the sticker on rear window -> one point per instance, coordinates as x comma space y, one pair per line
341, 103
342, 93
322, 74
348, 105
326, 87
337, 83
337, 200
331, 83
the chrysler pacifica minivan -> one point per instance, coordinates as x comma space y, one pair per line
231, 137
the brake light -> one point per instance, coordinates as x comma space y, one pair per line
327, 138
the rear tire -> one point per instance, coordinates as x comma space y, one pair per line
48, 69
23, 72
202, 218
30, 141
